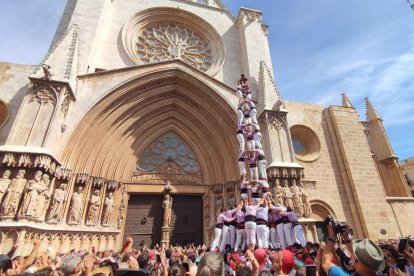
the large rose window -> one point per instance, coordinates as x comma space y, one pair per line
170, 41
163, 34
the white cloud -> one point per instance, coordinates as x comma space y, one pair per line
387, 80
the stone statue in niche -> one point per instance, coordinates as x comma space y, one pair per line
278, 192
93, 214
297, 199
307, 209
108, 209
287, 195
58, 202
30, 201
4, 183
167, 205
77, 202
43, 198
14, 194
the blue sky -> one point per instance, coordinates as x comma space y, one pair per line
319, 50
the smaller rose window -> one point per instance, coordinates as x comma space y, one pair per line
164, 42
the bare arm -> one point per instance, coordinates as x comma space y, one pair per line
29, 260
127, 247
255, 264
12, 250
327, 251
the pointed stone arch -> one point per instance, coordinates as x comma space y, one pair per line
109, 140
320, 210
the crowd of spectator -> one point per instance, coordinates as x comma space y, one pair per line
338, 255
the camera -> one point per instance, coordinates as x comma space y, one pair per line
338, 226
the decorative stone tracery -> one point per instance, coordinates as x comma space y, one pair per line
169, 146
43, 95
170, 41
162, 34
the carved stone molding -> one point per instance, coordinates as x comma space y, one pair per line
25, 161
310, 185
266, 76
112, 185
282, 173
64, 106
123, 206
55, 46
262, 124
231, 186
29, 160
59, 240
276, 122
9, 160
251, 15
43, 95
81, 178
72, 53
98, 182
217, 188
64, 173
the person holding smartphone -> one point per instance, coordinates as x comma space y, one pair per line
367, 257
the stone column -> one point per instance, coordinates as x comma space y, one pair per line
166, 228
87, 195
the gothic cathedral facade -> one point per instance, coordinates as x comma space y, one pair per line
136, 99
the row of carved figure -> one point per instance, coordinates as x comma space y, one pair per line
294, 197
32, 199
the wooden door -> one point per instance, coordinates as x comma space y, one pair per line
187, 220
144, 219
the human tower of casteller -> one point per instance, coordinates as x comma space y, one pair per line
251, 155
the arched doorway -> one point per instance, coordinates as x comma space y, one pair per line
315, 226
113, 136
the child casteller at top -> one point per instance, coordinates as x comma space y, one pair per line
243, 88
